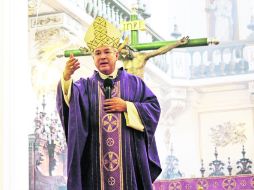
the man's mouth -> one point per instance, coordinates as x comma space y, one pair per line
103, 63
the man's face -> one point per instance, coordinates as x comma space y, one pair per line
105, 58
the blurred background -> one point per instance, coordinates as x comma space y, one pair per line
206, 92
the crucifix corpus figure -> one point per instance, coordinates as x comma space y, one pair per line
134, 61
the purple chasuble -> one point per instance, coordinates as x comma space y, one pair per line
104, 153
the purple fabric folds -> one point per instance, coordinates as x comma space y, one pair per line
141, 165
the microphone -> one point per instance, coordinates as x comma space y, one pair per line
108, 85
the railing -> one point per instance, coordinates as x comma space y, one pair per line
229, 59
115, 12
235, 58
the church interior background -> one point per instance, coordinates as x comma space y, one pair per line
206, 93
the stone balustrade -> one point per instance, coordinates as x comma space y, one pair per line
114, 11
235, 58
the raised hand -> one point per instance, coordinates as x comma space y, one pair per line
71, 66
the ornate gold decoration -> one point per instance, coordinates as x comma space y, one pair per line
102, 33
228, 133
229, 184
252, 182
111, 161
110, 142
109, 123
203, 183
175, 186
111, 181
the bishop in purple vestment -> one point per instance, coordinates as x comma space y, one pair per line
104, 153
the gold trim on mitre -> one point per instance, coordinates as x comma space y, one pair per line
102, 33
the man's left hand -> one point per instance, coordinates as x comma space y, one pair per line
115, 105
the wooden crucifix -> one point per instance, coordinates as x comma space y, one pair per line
135, 55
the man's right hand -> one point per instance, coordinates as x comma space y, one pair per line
71, 66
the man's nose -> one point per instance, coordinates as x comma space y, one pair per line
103, 55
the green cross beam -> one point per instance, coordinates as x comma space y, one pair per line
145, 46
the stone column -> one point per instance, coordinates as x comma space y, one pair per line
15, 96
